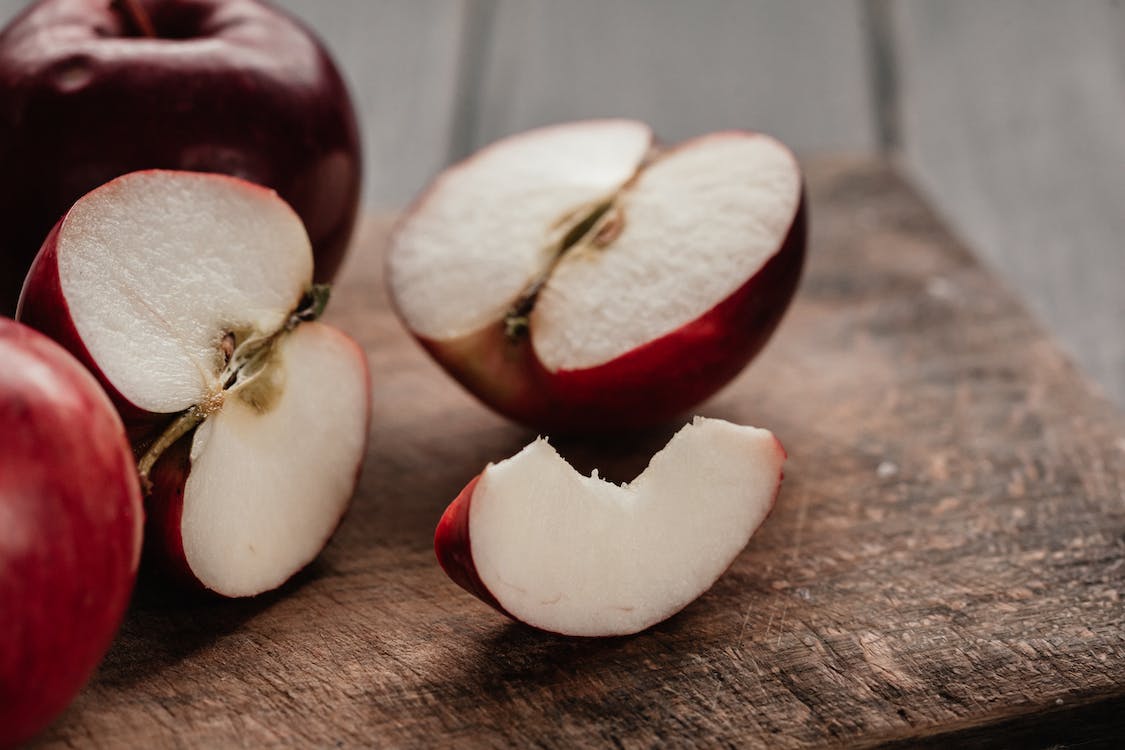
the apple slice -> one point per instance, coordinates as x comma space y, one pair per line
574, 278
190, 297
580, 556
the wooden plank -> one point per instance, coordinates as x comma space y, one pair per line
1012, 114
795, 69
945, 556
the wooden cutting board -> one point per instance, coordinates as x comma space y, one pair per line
946, 563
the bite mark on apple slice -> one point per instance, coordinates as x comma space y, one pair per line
581, 556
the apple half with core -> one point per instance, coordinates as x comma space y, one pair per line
576, 555
190, 297
70, 529
576, 278
94, 89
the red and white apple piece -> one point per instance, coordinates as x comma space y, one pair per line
579, 556
94, 89
189, 296
70, 529
575, 278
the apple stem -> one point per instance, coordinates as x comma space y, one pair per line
180, 426
243, 364
138, 16
312, 305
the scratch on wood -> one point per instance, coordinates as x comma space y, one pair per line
742, 630
795, 553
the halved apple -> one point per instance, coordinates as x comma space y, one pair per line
580, 556
190, 297
576, 278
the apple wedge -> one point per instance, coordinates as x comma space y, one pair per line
579, 556
576, 278
190, 298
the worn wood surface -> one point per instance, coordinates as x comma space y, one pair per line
1012, 120
946, 561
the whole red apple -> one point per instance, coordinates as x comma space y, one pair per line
231, 86
70, 528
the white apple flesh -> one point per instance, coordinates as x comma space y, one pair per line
188, 295
575, 278
579, 556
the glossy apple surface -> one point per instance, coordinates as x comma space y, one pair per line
190, 298
70, 529
578, 278
577, 555
230, 86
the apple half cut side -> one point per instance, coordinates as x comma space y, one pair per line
190, 298
576, 278
580, 556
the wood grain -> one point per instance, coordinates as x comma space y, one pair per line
945, 560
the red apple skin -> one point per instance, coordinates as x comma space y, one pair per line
454, 548
648, 386
70, 529
232, 86
453, 543
164, 507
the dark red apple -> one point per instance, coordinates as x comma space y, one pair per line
231, 86
70, 529
580, 556
190, 298
576, 278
